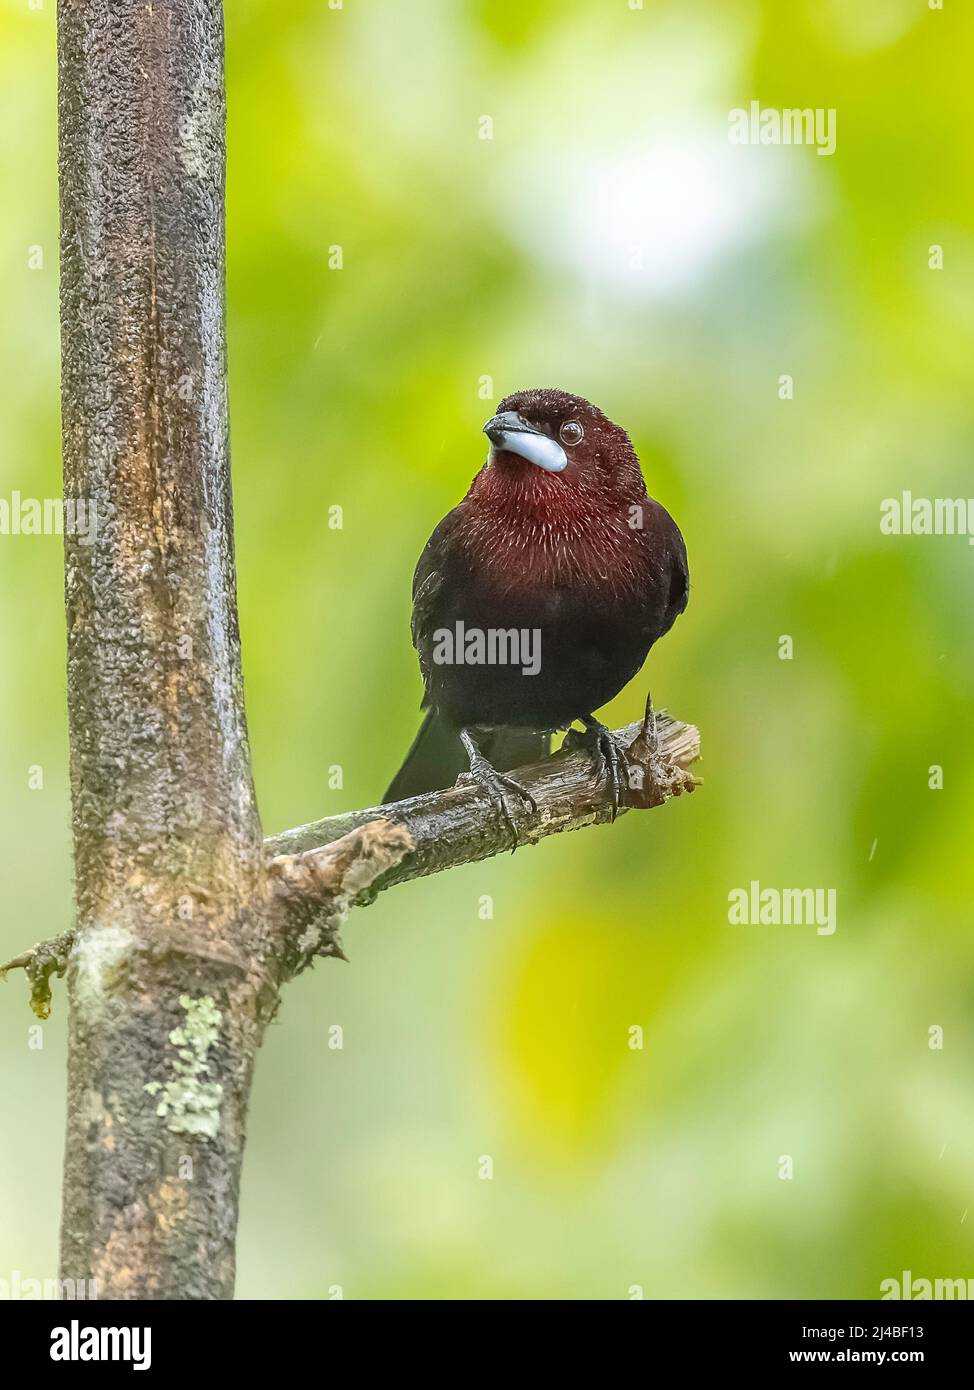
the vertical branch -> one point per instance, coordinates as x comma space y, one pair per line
167, 987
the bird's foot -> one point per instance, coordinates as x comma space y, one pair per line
610, 755
497, 786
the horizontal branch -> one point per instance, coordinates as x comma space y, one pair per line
317, 872
460, 826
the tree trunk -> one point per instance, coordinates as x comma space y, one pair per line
168, 989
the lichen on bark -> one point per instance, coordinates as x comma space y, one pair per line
189, 1103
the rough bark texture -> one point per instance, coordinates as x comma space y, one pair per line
168, 990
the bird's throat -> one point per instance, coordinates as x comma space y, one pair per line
525, 528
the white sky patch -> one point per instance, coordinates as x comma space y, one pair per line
651, 218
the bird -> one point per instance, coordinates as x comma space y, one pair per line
537, 599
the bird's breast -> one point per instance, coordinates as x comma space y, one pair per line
549, 561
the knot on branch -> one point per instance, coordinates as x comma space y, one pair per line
653, 776
312, 892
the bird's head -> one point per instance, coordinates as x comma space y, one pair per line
563, 435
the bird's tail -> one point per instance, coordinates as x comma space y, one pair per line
437, 758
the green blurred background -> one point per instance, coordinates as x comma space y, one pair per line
610, 240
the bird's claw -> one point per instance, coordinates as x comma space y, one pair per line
498, 786
610, 755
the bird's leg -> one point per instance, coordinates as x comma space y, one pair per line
495, 784
610, 756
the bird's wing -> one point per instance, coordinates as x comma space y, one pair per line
428, 582
679, 577
667, 560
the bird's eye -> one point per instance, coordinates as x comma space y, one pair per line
571, 433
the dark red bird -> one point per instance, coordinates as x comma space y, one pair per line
538, 598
